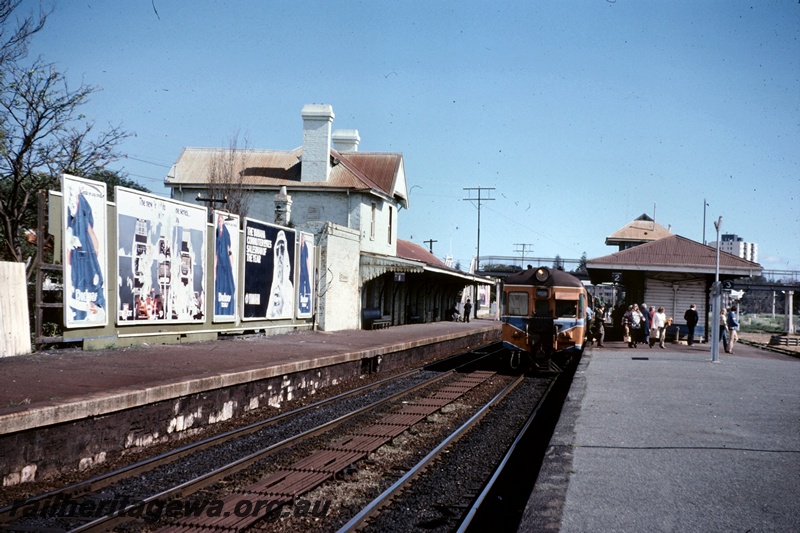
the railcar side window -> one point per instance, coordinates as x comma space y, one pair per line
566, 308
518, 303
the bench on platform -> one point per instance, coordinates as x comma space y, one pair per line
373, 319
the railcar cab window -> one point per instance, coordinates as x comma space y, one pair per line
566, 308
518, 303
543, 308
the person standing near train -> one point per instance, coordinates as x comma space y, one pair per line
598, 326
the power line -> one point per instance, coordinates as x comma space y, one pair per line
524, 246
479, 199
148, 162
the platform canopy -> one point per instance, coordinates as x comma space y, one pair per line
668, 258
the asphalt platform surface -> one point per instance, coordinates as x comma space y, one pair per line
655, 440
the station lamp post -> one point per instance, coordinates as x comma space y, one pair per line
716, 292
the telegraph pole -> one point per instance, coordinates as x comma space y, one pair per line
430, 242
529, 247
479, 199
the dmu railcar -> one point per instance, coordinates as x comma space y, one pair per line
544, 317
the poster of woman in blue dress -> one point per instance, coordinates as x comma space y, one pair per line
305, 284
226, 265
84, 236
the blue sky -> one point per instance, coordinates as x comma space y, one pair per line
581, 114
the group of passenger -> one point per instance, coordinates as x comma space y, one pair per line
648, 325
643, 325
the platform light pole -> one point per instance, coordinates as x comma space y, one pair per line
705, 204
715, 305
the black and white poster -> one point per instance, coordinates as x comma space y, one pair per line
268, 271
85, 252
161, 267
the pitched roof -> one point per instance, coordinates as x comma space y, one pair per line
276, 168
641, 229
676, 254
415, 252
408, 251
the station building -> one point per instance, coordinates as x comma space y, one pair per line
350, 201
656, 267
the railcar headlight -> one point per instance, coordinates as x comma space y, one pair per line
542, 274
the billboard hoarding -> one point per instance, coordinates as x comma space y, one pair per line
226, 266
161, 245
306, 275
268, 271
85, 255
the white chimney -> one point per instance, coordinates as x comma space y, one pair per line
315, 163
346, 140
283, 207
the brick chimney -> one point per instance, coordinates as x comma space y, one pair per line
346, 140
315, 163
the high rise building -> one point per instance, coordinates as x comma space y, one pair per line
733, 244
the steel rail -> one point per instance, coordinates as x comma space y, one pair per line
511, 450
385, 497
209, 478
104, 480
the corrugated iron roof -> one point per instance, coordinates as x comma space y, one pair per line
674, 251
276, 168
415, 252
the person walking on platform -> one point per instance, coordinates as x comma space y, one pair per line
638, 326
691, 318
628, 326
733, 327
467, 310
723, 330
659, 328
598, 326
646, 322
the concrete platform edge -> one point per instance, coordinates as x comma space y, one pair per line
120, 399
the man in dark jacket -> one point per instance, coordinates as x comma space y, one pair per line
691, 321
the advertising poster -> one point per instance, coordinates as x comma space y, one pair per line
226, 266
161, 269
85, 254
305, 277
268, 271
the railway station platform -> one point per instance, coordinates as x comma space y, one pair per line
73, 408
666, 440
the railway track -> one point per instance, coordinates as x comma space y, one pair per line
173, 475
480, 476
